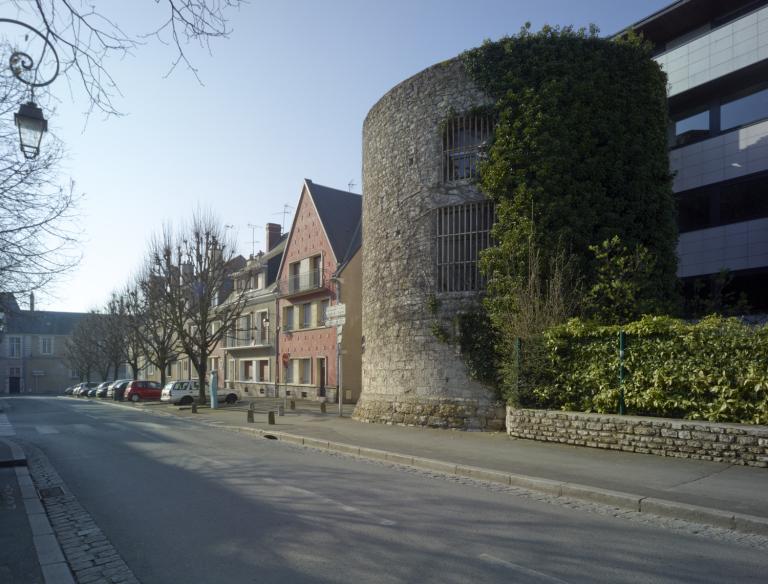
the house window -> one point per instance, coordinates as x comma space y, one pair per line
246, 371
150, 368
46, 345
289, 371
463, 231
305, 371
306, 315
263, 370
229, 373
463, 139
322, 314
14, 347
263, 319
288, 318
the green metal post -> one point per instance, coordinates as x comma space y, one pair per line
621, 373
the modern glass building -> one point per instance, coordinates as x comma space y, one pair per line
715, 54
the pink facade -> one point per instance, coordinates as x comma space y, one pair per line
307, 347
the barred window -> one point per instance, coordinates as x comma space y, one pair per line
463, 231
463, 140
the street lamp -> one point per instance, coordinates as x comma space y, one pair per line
29, 119
32, 125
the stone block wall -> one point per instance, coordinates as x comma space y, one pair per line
734, 443
408, 375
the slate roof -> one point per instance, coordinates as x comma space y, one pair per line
42, 322
354, 245
340, 213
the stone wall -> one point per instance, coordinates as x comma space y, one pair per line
734, 443
404, 367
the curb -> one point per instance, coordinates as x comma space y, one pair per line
18, 458
47, 548
751, 524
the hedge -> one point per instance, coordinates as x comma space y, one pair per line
715, 369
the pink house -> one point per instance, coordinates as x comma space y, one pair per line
324, 236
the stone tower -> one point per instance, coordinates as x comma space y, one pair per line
424, 221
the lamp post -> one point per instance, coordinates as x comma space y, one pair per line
29, 119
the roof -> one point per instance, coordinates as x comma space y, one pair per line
41, 322
340, 213
354, 245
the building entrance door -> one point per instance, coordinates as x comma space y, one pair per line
14, 385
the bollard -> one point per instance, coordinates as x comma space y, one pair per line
322, 407
293, 404
271, 417
194, 408
280, 410
249, 416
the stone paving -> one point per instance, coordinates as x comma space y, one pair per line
90, 555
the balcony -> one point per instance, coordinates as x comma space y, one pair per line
302, 283
250, 339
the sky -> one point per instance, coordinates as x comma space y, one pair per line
282, 99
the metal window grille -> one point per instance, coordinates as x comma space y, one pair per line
463, 231
463, 139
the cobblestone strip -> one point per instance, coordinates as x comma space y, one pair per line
91, 557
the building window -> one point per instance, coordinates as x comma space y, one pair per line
738, 200
464, 137
322, 314
263, 370
305, 371
288, 318
744, 110
691, 127
74, 374
46, 345
306, 315
463, 231
289, 371
150, 368
246, 370
14, 347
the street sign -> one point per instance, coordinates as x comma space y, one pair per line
336, 310
338, 321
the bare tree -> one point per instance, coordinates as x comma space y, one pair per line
152, 328
84, 349
85, 37
37, 231
195, 267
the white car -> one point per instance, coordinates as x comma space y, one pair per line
186, 392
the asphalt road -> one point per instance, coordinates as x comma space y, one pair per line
187, 503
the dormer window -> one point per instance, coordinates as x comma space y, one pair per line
464, 138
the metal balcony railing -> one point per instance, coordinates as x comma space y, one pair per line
254, 338
302, 282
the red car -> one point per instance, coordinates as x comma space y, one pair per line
142, 390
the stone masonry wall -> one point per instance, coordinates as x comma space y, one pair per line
408, 375
734, 443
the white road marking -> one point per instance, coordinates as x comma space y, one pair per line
326, 500
522, 569
46, 430
6, 428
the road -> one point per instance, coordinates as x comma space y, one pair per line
188, 503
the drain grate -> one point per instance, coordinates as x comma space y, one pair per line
270, 437
50, 492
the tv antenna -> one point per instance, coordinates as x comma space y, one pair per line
351, 184
284, 212
254, 241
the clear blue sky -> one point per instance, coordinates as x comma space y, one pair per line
284, 99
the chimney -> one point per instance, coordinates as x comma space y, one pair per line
31, 301
273, 235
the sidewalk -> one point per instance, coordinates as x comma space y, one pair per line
735, 497
29, 552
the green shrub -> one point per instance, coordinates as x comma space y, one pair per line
716, 369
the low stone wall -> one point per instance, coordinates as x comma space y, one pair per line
463, 414
734, 443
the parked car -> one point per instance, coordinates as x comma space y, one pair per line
185, 392
82, 389
69, 390
92, 391
180, 392
101, 390
117, 388
141, 389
